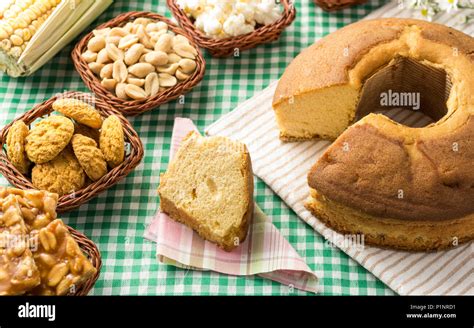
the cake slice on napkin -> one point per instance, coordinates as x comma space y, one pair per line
209, 187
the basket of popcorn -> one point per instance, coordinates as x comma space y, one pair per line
73, 144
225, 28
39, 254
333, 5
138, 61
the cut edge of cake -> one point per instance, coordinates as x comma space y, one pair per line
208, 186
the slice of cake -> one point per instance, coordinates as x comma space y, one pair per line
209, 187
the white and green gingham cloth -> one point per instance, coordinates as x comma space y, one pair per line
116, 220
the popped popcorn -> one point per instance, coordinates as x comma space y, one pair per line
228, 18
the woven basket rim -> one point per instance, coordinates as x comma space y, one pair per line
225, 47
136, 107
333, 5
93, 254
79, 197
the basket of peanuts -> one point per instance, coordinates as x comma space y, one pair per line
138, 61
74, 145
40, 254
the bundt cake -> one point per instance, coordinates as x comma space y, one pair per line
401, 187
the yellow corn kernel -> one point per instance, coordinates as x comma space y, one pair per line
12, 23
15, 8
9, 14
4, 6
27, 34
19, 32
25, 17
3, 34
36, 11
5, 44
16, 51
36, 24
30, 14
24, 4
42, 7
21, 23
7, 27
16, 40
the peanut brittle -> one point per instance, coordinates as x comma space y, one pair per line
62, 265
18, 271
38, 207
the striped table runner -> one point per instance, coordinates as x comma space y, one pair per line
284, 167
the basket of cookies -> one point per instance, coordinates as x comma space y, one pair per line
138, 61
226, 28
39, 254
74, 145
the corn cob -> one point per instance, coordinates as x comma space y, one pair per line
31, 28
20, 21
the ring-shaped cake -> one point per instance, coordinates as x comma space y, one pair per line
401, 187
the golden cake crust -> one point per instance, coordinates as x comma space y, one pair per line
424, 181
327, 62
389, 232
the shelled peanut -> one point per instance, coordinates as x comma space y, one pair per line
140, 59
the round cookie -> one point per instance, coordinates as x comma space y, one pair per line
62, 175
87, 131
16, 146
112, 142
89, 156
48, 138
79, 111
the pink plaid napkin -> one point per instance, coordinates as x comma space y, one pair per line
265, 252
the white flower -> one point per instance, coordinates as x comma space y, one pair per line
427, 13
448, 5
429, 8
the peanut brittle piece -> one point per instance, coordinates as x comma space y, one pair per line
18, 271
62, 265
38, 207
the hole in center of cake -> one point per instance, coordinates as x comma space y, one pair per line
407, 91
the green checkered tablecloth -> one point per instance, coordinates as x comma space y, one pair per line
116, 219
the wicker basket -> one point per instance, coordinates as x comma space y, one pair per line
92, 252
79, 197
226, 47
136, 107
333, 5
